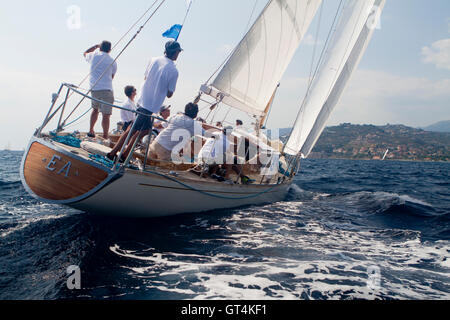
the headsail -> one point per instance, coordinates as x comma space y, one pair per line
352, 35
251, 75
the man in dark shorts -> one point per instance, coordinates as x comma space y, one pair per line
141, 127
160, 82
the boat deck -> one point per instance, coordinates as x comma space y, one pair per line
163, 167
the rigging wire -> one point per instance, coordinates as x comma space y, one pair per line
185, 18
120, 53
145, 13
80, 117
226, 115
120, 40
342, 60
207, 193
315, 47
115, 45
310, 80
319, 62
233, 51
246, 30
347, 47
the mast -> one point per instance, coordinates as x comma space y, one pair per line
266, 111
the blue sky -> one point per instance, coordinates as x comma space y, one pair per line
403, 78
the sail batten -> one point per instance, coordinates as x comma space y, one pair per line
352, 35
254, 70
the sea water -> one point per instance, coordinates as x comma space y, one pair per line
347, 230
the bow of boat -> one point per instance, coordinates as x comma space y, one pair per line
54, 174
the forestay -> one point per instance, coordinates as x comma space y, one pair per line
251, 75
352, 35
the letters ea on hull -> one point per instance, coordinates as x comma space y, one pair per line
56, 176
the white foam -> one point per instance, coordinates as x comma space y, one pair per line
405, 198
259, 262
296, 188
22, 224
413, 200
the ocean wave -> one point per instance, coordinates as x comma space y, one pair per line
327, 264
297, 193
385, 203
9, 184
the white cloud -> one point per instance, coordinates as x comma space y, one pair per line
438, 54
379, 97
373, 97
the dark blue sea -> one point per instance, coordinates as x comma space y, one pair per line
348, 230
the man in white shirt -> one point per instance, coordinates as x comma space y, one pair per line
161, 78
103, 70
160, 82
170, 140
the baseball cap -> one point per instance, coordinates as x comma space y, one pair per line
173, 46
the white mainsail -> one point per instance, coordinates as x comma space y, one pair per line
251, 75
351, 37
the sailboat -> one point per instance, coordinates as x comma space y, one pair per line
385, 154
69, 169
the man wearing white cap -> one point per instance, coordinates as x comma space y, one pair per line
159, 125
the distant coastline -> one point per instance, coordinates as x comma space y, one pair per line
369, 142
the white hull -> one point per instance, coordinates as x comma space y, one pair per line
145, 195
55, 174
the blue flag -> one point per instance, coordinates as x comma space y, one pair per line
173, 32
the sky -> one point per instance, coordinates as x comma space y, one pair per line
404, 77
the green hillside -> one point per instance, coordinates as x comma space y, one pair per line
371, 142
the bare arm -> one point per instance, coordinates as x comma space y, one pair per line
209, 130
172, 84
92, 49
208, 127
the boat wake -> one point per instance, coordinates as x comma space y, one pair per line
276, 252
318, 244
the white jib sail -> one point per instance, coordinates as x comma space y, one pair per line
249, 78
352, 35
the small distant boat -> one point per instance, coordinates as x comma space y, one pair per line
385, 154
69, 169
